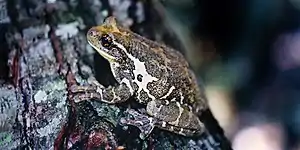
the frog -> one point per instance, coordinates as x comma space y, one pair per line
155, 75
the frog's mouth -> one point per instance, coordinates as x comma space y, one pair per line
104, 54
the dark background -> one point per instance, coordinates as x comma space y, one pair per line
256, 56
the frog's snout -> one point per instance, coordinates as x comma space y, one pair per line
92, 32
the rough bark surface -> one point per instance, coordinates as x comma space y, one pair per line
46, 52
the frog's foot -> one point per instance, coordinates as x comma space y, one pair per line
93, 85
85, 88
142, 121
87, 92
79, 97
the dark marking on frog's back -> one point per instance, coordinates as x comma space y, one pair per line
155, 69
144, 97
158, 88
140, 77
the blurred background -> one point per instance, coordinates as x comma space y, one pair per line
246, 54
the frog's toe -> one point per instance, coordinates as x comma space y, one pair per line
146, 131
125, 127
79, 88
142, 111
123, 122
79, 97
143, 135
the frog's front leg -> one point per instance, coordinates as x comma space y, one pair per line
176, 118
111, 95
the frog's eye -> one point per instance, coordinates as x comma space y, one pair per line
105, 40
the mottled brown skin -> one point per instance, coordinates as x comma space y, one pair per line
154, 74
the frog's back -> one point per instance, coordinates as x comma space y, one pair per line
179, 73
170, 66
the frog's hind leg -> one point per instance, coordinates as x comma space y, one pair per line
144, 122
175, 117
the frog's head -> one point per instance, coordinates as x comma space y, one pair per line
108, 40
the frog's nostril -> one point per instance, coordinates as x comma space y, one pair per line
92, 32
